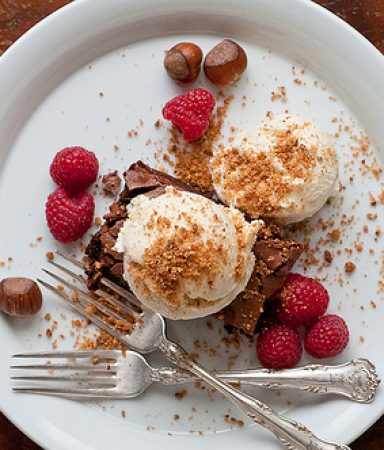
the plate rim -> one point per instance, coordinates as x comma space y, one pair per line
18, 48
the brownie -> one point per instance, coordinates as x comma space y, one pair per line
275, 255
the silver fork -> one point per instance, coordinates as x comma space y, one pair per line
129, 375
149, 335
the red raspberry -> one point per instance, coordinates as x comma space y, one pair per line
303, 300
327, 337
279, 347
74, 168
69, 217
190, 112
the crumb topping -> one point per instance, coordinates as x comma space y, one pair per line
254, 182
191, 160
179, 257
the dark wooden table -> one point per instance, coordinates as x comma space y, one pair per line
17, 16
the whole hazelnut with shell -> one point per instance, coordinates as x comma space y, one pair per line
20, 297
182, 62
225, 63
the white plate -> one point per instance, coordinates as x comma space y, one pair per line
49, 98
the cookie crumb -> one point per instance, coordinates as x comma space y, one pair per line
358, 246
328, 256
95, 360
181, 394
50, 256
350, 267
233, 420
335, 234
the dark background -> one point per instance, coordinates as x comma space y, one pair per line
17, 16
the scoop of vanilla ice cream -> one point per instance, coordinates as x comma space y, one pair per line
184, 255
286, 172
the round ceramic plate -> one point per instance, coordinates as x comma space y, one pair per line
91, 73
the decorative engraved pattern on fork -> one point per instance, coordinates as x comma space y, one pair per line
357, 380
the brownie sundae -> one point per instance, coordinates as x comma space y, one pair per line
186, 256
187, 253
209, 240
252, 258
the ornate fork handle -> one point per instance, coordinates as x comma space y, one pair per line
292, 435
356, 379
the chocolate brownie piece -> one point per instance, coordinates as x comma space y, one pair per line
111, 183
102, 260
275, 255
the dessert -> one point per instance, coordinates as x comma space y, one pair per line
274, 255
286, 172
186, 256
182, 62
20, 297
225, 63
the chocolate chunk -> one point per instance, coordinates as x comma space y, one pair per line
108, 242
114, 230
245, 311
140, 178
274, 260
270, 252
117, 270
111, 183
117, 211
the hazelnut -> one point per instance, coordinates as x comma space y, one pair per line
225, 63
182, 62
19, 297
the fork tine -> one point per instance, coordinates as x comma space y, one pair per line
120, 291
71, 259
73, 378
107, 368
103, 308
65, 282
70, 354
68, 272
107, 283
83, 311
78, 392
126, 308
